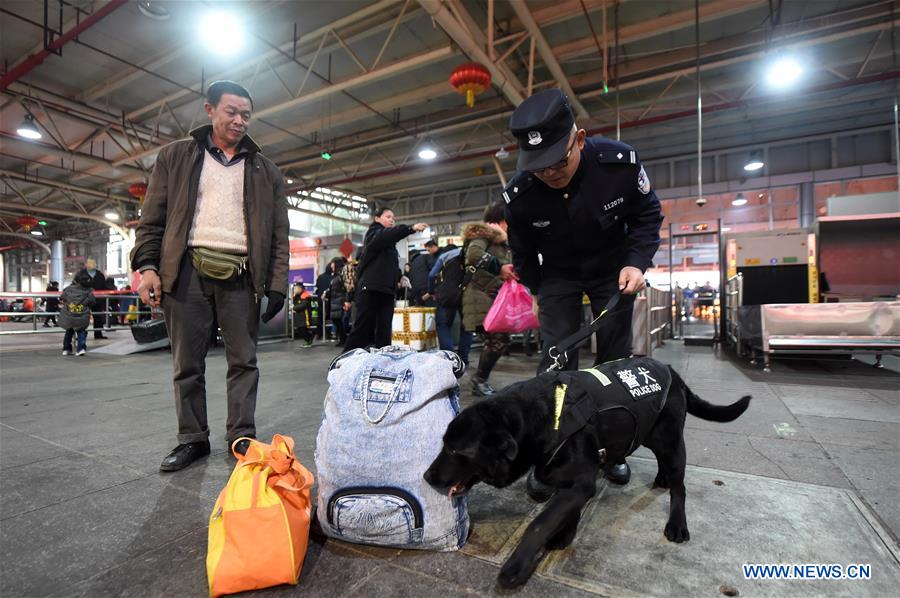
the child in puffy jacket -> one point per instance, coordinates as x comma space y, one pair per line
75, 312
307, 315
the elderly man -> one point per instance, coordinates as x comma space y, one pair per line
213, 240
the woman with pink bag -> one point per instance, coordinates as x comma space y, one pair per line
482, 239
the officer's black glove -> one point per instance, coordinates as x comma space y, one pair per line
276, 302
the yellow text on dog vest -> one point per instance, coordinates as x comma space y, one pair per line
560, 399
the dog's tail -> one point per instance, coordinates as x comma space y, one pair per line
705, 410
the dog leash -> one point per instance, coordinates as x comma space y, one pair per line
559, 352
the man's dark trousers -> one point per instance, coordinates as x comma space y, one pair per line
189, 311
374, 314
561, 315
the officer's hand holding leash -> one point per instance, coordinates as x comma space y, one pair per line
631, 280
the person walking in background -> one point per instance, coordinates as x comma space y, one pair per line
445, 280
379, 273
51, 304
213, 240
98, 283
337, 297
487, 251
75, 312
419, 267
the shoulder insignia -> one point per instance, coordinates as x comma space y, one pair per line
643, 181
516, 186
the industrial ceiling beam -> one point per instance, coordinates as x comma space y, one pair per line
32, 62
373, 10
511, 89
30, 238
51, 184
13, 141
547, 56
70, 214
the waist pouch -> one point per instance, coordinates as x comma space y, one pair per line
217, 265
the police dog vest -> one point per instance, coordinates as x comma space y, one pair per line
637, 385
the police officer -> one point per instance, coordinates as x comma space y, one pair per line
582, 219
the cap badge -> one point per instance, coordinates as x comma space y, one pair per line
534, 138
619, 155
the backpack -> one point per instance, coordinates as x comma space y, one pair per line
453, 278
385, 415
451, 281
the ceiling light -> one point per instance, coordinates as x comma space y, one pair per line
740, 200
111, 215
28, 129
37, 233
784, 71
154, 10
502, 154
223, 31
725, 229
755, 162
290, 181
42, 222
325, 155
426, 153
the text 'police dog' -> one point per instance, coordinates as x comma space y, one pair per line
568, 426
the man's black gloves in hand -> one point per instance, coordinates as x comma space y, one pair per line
276, 302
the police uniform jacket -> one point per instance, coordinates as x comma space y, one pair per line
608, 217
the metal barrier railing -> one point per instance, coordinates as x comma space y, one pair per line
734, 299
110, 319
658, 309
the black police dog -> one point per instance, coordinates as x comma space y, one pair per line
499, 439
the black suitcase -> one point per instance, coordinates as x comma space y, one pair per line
149, 331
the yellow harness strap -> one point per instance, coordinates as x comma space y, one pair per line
560, 399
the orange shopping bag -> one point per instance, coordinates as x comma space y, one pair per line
259, 527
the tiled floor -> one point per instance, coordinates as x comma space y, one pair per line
810, 474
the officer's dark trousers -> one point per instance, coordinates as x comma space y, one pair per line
561, 315
373, 313
189, 312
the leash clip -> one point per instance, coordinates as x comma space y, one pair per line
559, 358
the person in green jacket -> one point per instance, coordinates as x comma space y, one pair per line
480, 238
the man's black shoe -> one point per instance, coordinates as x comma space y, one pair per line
184, 454
241, 446
619, 473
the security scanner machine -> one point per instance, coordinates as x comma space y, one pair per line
833, 290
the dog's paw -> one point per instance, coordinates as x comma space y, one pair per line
661, 481
677, 532
516, 570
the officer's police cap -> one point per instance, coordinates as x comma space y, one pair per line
542, 125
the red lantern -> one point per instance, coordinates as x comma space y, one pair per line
471, 79
138, 190
27, 222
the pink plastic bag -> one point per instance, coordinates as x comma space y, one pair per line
511, 311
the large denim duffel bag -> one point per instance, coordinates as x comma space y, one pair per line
385, 414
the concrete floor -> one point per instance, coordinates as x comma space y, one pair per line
809, 475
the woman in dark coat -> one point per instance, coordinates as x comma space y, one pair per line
337, 296
480, 238
379, 272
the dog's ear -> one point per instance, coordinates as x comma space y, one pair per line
506, 445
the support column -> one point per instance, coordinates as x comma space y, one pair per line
57, 262
806, 212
